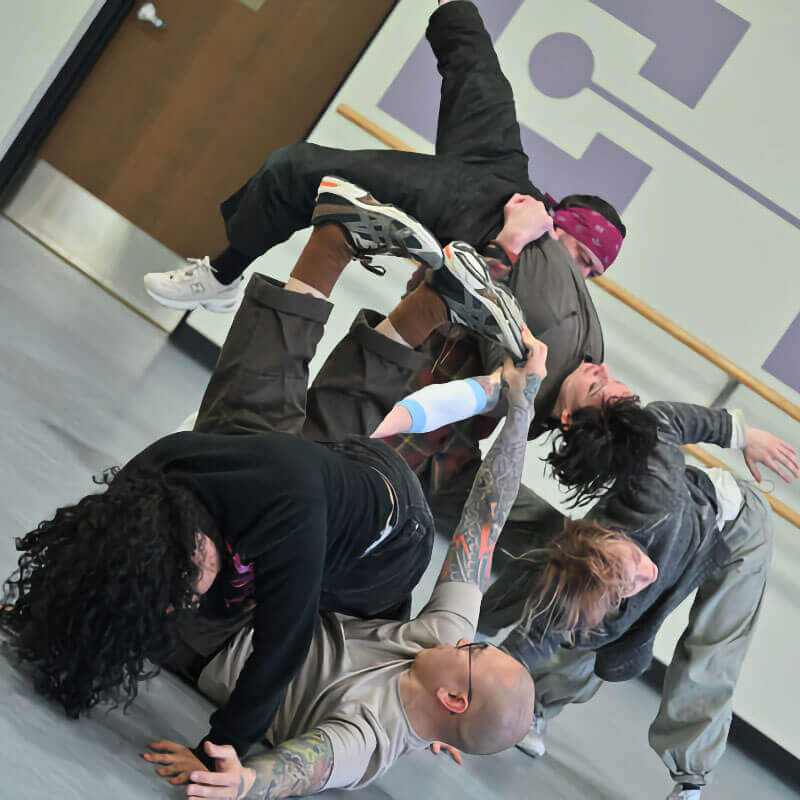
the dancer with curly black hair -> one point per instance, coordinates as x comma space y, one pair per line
89, 598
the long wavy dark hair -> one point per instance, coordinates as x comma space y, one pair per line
90, 595
603, 447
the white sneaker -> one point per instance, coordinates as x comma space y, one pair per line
679, 793
533, 743
192, 286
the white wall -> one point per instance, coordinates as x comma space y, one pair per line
698, 250
36, 38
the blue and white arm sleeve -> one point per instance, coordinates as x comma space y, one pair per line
442, 403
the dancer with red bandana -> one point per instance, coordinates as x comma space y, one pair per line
477, 189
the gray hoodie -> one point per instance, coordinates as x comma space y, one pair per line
671, 512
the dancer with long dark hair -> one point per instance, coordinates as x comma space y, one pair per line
243, 520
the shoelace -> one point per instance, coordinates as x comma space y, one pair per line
197, 263
375, 269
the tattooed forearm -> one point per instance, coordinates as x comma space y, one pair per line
469, 558
298, 767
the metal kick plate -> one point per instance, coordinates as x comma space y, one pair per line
255, 5
92, 237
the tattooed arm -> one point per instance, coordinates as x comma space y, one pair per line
297, 768
469, 559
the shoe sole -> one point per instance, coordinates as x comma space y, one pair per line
217, 306
476, 279
531, 753
430, 254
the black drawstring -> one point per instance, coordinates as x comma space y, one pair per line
375, 269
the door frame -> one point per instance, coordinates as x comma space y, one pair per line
69, 78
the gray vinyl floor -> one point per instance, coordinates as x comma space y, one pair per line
84, 384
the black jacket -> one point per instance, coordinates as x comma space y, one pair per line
302, 514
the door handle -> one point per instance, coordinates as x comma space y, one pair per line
147, 13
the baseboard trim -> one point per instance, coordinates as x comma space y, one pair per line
194, 344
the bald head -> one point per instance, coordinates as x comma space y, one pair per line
502, 705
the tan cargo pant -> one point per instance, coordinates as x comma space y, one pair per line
690, 730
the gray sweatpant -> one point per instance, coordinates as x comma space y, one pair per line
690, 730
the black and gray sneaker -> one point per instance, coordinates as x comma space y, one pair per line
475, 300
374, 228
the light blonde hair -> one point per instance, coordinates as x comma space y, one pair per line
584, 577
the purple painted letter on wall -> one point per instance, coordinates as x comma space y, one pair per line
693, 38
784, 361
604, 168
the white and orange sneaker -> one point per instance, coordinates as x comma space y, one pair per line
374, 228
475, 300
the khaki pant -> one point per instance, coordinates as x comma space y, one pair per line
690, 730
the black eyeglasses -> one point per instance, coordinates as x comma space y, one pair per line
470, 646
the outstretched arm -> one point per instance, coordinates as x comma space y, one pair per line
690, 423
469, 559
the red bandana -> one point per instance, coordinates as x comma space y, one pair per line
592, 230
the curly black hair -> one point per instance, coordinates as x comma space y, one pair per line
90, 595
603, 447
595, 203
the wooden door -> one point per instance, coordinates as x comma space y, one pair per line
171, 121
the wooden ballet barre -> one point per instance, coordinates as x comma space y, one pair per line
700, 347
780, 508
348, 112
624, 296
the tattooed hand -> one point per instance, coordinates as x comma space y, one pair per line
520, 383
229, 781
296, 768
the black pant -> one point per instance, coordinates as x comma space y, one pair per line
453, 199
457, 194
